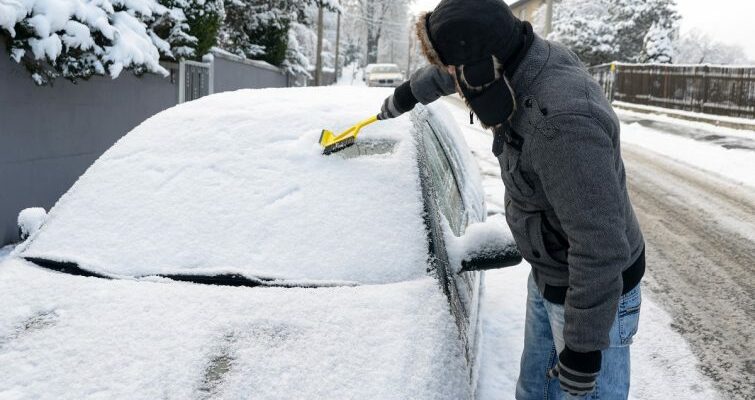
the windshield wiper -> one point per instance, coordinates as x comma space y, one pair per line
66, 267
236, 280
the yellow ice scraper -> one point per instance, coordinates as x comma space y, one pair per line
332, 143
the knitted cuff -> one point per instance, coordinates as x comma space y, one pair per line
588, 363
404, 98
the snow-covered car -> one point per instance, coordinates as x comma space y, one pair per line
214, 252
383, 75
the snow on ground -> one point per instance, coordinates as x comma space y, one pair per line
661, 369
223, 184
351, 75
735, 164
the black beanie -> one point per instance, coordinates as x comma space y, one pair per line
464, 31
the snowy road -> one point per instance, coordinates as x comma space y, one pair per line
700, 233
695, 325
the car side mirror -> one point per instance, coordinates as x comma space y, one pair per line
30, 220
488, 245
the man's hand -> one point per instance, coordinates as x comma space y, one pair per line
576, 372
389, 109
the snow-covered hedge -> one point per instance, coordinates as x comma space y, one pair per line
76, 39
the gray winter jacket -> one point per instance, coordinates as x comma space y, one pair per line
566, 196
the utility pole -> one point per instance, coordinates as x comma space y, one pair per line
409, 54
548, 17
318, 64
338, 42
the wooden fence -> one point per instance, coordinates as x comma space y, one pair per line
718, 90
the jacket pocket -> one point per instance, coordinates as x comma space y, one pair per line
527, 230
510, 160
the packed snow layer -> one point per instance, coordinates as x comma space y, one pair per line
236, 182
734, 164
68, 337
30, 220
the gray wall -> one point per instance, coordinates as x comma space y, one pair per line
233, 73
50, 135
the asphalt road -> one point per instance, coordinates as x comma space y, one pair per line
700, 235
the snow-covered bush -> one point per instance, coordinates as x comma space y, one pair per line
658, 47
585, 27
76, 39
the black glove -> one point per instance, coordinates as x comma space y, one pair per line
401, 101
577, 372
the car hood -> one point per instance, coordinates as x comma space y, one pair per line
65, 336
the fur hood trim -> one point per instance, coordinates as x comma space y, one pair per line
423, 35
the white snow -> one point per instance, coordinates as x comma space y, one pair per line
236, 182
667, 114
30, 220
482, 238
55, 23
661, 369
734, 164
67, 337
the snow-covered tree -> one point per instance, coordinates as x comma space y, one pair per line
658, 47
601, 31
76, 39
376, 19
585, 27
634, 19
261, 29
203, 21
696, 47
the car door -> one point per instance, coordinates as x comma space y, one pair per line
444, 204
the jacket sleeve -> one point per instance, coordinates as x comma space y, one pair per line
430, 83
576, 162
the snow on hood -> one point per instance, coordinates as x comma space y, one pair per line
236, 183
68, 337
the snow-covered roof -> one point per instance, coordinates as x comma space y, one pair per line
236, 183
69, 337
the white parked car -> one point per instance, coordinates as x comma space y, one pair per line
214, 252
383, 75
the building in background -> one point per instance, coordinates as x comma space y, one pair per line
533, 11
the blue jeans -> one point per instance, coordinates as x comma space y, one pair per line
544, 339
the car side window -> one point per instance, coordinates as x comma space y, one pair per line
443, 180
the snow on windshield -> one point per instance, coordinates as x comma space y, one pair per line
236, 183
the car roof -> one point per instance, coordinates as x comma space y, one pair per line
235, 183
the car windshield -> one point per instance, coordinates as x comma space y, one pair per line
384, 69
232, 184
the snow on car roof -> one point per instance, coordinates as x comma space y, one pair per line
64, 336
236, 183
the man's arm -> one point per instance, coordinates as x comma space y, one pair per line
426, 85
577, 168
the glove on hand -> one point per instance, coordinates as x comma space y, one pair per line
577, 372
389, 109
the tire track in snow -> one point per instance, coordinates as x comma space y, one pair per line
700, 234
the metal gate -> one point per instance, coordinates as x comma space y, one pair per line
196, 80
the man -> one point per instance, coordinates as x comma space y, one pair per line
557, 140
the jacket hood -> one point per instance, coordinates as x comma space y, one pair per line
459, 32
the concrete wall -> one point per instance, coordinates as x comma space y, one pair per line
50, 135
233, 73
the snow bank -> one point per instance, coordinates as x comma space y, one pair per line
67, 337
236, 182
30, 220
733, 164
